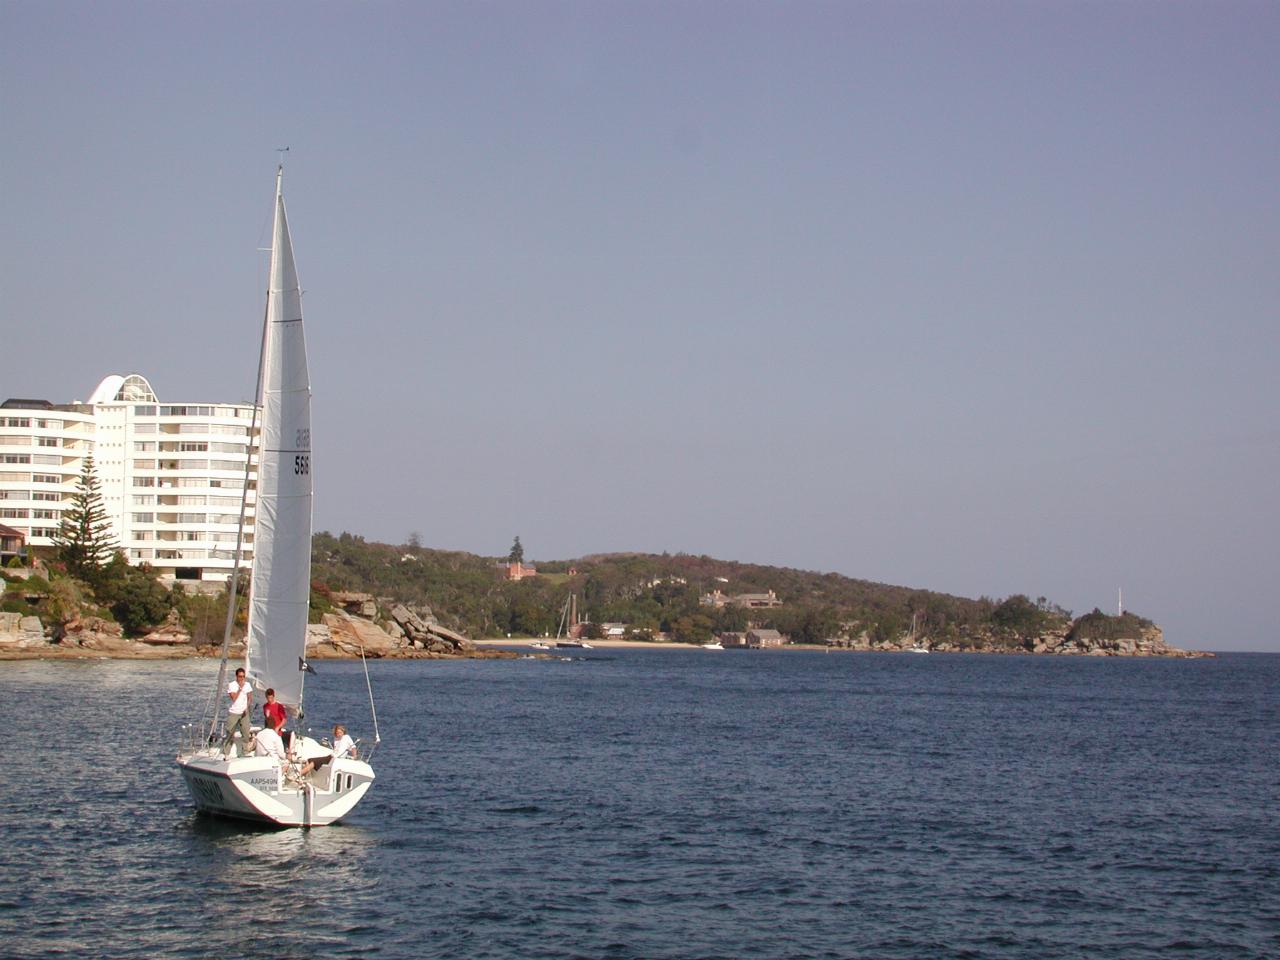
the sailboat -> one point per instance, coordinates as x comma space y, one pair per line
266, 789
568, 622
917, 642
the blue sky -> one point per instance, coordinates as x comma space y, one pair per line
973, 297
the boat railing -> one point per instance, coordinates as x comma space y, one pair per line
364, 751
193, 738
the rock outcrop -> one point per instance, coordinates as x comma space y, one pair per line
17, 631
168, 634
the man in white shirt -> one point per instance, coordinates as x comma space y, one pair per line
269, 744
241, 695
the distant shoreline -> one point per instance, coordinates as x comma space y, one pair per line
500, 648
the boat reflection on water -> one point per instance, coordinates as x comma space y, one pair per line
272, 866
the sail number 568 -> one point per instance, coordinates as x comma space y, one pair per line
302, 461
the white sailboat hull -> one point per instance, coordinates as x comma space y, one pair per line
260, 790
252, 788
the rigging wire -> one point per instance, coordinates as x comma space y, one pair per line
372, 709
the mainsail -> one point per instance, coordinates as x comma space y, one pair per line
281, 583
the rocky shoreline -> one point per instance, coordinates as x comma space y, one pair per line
414, 635
1149, 642
353, 629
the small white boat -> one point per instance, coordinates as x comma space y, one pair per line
713, 645
574, 645
266, 789
539, 645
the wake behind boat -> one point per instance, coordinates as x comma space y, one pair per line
311, 784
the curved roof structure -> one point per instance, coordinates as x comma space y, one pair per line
133, 388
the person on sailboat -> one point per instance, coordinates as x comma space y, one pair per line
268, 744
343, 746
274, 716
238, 715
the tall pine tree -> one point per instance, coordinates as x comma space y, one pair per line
84, 539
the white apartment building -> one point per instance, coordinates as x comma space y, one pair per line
171, 475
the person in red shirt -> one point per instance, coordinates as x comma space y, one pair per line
275, 714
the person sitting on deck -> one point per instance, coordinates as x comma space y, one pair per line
268, 744
343, 746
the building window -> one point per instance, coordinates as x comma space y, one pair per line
144, 481
186, 411
47, 441
144, 410
15, 494
44, 514
15, 422
46, 495
9, 513
144, 518
15, 458
45, 478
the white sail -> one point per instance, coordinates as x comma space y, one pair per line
281, 584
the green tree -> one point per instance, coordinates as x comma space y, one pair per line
517, 552
1019, 616
135, 595
83, 541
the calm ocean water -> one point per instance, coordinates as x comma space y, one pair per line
646, 804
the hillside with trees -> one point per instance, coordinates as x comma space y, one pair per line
660, 595
678, 597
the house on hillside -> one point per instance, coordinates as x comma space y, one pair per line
752, 601
515, 570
